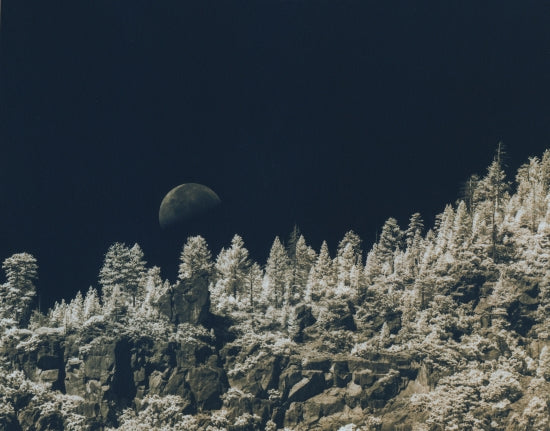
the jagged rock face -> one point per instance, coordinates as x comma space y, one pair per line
187, 302
317, 391
113, 373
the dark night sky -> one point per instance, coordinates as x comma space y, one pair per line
332, 114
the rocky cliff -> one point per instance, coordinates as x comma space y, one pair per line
108, 367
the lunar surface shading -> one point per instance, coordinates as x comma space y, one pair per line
186, 202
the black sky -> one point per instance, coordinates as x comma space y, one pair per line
332, 114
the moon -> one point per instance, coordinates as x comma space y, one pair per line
186, 202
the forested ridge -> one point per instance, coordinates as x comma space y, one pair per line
434, 328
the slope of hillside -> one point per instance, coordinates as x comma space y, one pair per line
445, 328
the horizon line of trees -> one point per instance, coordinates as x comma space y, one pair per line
491, 225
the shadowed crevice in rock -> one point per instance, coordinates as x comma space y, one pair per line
123, 385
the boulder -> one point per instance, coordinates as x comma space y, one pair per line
176, 384
259, 379
364, 378
266, 373
385, 388
316, 363
353, 395
307, 387
293, 415
156, 383
207, 385
325, 404
340, 373
288, 378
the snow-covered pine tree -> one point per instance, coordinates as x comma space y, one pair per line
277, 274
468, 192
75, 311
253, 280
292, 243
373, 268
231, 268
445, 231
195, 260
492, 194
304, 259
92, 307
531, 193
123, 267
56, 314
413, 242
115, 305
390, 240
322, 277
152, 291
349, 255
19, 291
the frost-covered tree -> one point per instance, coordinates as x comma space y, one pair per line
389, 242
195, 260
19, 291
57, 314
292, 243
75, 310
444, 231
413, 242
115, 305
492, 192
322, 278
349, 256
231, 268
304, 258
277, 271
153, 288
376, 269
123, 267
92, 307
468, 192
531, 193
253, 282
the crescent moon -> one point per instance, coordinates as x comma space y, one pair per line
185, 202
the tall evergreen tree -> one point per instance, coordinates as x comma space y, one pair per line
195, 260
531, 193
462, 228
123, 267
469, 194
304, 259
322, 277
445, 231
231, 267
75, 310
277, 273
390, 241
373, 265
292, 243
349, 255
92, 306
492, 191
153, 289
115, 305
19, 291
253, 281
413, 241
